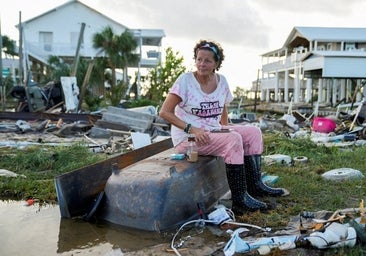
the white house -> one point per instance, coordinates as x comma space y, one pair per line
316, 64
59, 31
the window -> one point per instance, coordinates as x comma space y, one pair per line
349, 46
45, 39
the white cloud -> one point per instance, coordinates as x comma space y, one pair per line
231, 21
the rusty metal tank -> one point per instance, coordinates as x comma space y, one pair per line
159, 193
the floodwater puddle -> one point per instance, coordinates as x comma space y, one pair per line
40, 230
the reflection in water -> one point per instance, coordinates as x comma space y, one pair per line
78, 234
39, 230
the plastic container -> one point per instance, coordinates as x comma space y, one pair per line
323, 125
192, 152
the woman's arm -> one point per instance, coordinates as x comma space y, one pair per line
167, 111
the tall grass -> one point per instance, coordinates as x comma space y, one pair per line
36, 168
308, 189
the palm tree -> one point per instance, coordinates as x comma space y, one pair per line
127, 44
8, 46
118, 50
107, 41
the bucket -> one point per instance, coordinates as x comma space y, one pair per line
323, 125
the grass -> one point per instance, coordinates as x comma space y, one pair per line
36, 168
308, 190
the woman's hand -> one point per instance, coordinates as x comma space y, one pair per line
202, 136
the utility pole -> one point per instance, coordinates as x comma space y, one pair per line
256, 91
2, 86
21, 57
77, 54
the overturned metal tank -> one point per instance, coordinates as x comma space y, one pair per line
159, 193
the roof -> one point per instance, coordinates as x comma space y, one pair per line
70, 3
330, 34
304, 35
150, 37
299, 35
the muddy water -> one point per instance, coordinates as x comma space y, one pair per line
34, 230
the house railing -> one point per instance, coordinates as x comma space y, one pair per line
270, 83
283, 64
43, 51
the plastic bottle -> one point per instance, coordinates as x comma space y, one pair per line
192, 152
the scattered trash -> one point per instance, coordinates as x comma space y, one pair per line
300, 160
290, 121
262, 245
335, 235
132, 128
341, 174
30, 202
140, 139
269, 179
323, 125
177, 156
23, 126
7, 173
277, 158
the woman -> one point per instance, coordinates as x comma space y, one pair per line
197, 106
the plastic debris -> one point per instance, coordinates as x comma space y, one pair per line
335, 235
277, 158
30, 201
236, 244
342, 174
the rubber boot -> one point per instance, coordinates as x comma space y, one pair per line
255, 185
242, 200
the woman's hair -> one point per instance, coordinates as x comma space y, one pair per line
211, 46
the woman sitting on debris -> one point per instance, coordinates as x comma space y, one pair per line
197, 106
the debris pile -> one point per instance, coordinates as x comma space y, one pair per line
109, 131
343, 128
309, 230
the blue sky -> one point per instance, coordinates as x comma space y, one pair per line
245, 28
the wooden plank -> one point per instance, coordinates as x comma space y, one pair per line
77, 190
109, 125
66, 117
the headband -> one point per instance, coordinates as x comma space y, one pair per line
212, 48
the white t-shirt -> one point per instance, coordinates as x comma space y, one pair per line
197, 107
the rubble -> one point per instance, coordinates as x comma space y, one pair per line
343, 128
110, 131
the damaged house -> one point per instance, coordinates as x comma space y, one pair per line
67, 31
324, 65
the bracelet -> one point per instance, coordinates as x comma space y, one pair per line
190, 129
187, 129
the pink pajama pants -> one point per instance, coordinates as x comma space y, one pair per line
232, 146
